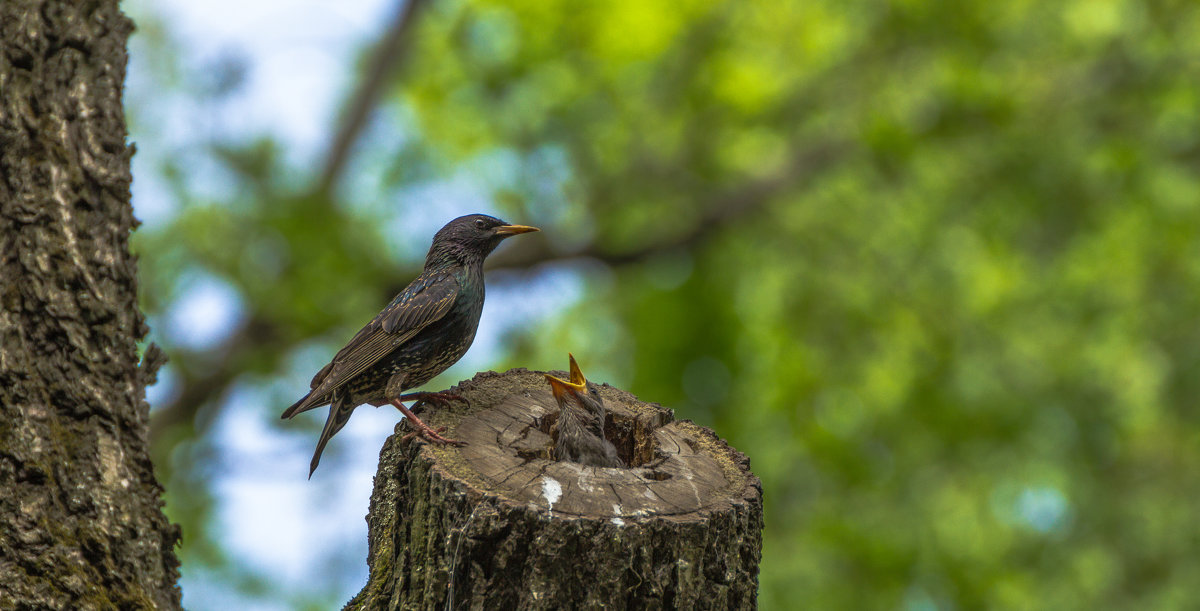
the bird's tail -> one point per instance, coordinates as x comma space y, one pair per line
339, 415
295, 408
308, 401
305, 403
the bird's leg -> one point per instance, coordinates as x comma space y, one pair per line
394, 396
424, 430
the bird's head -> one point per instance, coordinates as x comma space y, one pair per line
575, 390
473, 236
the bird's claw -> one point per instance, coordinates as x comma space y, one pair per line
431, 435
423, 430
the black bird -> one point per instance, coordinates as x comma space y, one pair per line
580, 424
424, 330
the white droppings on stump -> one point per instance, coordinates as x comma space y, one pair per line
551, 491
616, 512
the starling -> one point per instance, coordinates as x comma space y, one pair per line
424, 330
581, 416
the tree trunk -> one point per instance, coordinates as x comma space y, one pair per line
81, 522
498, 525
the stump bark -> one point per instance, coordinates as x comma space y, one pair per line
498, 524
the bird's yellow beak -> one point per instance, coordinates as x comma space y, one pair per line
577, 384
507, 230
576, 374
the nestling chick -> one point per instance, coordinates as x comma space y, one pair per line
581, 422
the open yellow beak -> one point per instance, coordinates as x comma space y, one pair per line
507, 230
577, 384
576, 374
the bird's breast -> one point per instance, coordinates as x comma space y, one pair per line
439, 345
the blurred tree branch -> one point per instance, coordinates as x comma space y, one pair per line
721, 209
206, 388
383, 65
201, 385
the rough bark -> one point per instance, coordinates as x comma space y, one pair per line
81, 522
498, 525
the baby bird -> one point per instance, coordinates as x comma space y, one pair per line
581, 422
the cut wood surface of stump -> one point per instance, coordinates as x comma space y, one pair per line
499, 524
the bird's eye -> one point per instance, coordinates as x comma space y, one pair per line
480, 224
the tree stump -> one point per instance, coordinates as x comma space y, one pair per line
497, 524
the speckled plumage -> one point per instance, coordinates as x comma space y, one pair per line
424, 330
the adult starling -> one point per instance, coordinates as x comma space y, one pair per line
580, 424
424, 330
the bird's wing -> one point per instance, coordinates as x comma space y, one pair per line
421, 303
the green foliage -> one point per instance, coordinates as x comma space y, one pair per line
960, 357
948, 299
